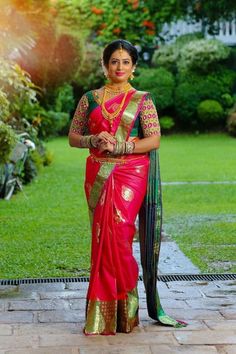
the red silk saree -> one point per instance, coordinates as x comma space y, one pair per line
117, 190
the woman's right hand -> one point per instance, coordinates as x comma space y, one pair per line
105, 137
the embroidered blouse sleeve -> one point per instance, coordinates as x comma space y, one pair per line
149, 118
79, 124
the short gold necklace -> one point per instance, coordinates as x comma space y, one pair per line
108, 88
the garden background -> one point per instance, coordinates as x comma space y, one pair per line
49, 56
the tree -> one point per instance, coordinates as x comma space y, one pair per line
208, 11
127, 19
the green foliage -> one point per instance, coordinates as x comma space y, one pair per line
210, 112
51, 122
64, 101
160, 82
90, 75
17, 86
210, 11
187, 98
227, 100
168, 56
127, 19
166, 123
200, 55
4, 105
7, 141
193, 88
231, 124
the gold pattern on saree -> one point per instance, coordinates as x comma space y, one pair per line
101, 317
113, 160
97, 231
128, 116
103, 174
118, 216
102, 199
104, 317
88, 187
156, 248
127, 193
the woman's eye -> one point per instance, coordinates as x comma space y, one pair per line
126, 62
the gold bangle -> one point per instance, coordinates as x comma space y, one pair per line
129, 147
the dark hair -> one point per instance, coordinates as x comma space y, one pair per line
117, 44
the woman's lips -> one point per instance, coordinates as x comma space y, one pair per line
119, 73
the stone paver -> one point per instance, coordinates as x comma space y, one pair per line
49, 318
51, 321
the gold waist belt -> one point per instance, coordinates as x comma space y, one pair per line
118, 160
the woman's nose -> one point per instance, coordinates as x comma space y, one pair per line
119, 65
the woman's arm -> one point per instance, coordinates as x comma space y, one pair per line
74, 139
147, 144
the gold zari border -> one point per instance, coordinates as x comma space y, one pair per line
109, 317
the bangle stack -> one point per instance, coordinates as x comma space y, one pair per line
124, 148
88, 141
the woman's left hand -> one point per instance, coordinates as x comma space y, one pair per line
106, 146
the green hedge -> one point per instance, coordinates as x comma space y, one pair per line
160, 82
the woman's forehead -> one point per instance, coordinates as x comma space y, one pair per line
120, 54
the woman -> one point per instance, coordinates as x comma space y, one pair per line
120, 127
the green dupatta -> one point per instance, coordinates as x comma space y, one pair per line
150, 226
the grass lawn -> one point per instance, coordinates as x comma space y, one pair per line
47, 234
201, 218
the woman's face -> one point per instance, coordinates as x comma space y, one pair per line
120, 66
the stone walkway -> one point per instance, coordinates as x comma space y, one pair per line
49, 318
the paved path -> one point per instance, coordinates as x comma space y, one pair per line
172, 259
48, 319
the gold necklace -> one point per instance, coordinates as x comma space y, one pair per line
111, 116
125, 88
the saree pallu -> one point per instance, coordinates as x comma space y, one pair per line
117, 188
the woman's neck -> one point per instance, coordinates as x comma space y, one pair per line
117, 86
114, 86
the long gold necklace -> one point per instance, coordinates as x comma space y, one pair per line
108, 89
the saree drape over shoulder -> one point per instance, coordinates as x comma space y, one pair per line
117, 190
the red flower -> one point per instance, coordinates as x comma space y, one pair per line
149, 24
150, 32
116, 30
135, 3
97, 11
103, 25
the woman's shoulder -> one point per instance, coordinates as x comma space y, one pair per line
93, 94
141, 92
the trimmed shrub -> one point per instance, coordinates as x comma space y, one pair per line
231, 124
227, 100
202, 54
194, 88
187, 98
7, 141
210, 112
166, 123
160, 83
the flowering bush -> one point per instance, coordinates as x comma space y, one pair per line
202, 54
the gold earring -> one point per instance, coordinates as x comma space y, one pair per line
132, 76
